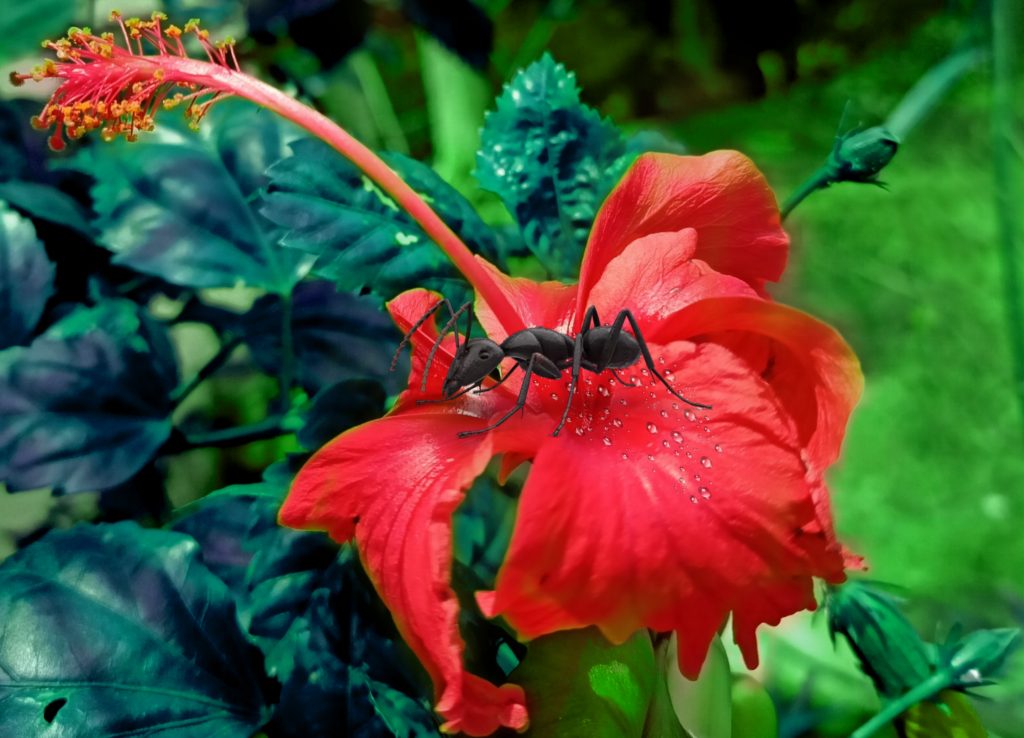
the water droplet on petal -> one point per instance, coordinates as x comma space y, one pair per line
580, 431
617, 422
705, 462
696, 477
650, 457
677, 436
661, 359
622, 401
690, 415
450, 459
645, 372
664, 413
705, 493
652, 428
624, 456
693, 499
603, 391
606, 441
689, 454
718, 447
554, 395
665, 444
707, 429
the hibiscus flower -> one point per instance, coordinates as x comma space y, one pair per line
644, 512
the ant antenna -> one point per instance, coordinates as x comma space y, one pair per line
440, 337
415, 326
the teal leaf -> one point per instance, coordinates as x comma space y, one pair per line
116, 630
482, 528
335, 335
179, 206
360, 237
45, 202
86, 406
24, 25
578, 685
339, 407
551, 160
26, 278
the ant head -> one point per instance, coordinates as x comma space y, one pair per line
477, 358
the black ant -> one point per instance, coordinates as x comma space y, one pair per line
541, 351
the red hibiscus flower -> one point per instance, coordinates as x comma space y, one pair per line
644, 512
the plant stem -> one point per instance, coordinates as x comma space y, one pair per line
250, 88
1005, 23
271, 427
286, 372
821, 179
213, 365
928, 688
922, 98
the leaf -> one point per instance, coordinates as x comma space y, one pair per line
24, 25
178, 208
26, 278
116, 630
704, 705
551, 160
43, 202
336, 336
578, 685
85, 406
344, 670
339, 407
361, 239
482, 527
461, 25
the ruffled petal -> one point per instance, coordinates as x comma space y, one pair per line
547, 304
768, 606
812, 369
656, 276
722, 195
395, 483
660, 515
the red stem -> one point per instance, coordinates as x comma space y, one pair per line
250, 88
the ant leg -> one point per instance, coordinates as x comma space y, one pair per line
577, 357
626, 315
622, 381
437, 343
520, 403
415, 326
499, 382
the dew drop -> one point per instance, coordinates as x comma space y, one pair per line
661, 359
689, 455
651, 427
554, 395
676, 452
653, 395
450, 459
675, 405
617, 422
693, 499
650, 457
705, 493
718, 447
696, 477
707, 429
622, 401
580, 431
690, 415
603, 391
606, 411
706, 418
606, 441
645, 372
664, 413
624, 456
705, 462
682, 481
677, 436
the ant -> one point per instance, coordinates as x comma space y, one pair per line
541, 351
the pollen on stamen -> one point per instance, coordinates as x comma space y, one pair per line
117, 85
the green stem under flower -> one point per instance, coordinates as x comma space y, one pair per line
271, 427
923, 691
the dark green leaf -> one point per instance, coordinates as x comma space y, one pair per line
339, 407
47, 203
581, 686
979, 656
344, 670
85, 406
552, 160
483, 528
179, 208
26, 278
359, 235
336, 336
116, 630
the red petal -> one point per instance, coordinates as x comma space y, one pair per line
721, 194
395, 482
656, 276
768, 607
813, 371
548, 304
663, 516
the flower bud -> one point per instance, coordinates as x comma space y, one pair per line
859, 156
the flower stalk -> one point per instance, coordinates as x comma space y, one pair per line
118, 89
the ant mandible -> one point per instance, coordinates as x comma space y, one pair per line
541, 351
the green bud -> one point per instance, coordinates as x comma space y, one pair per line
978, 656
889, 649
860, 156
